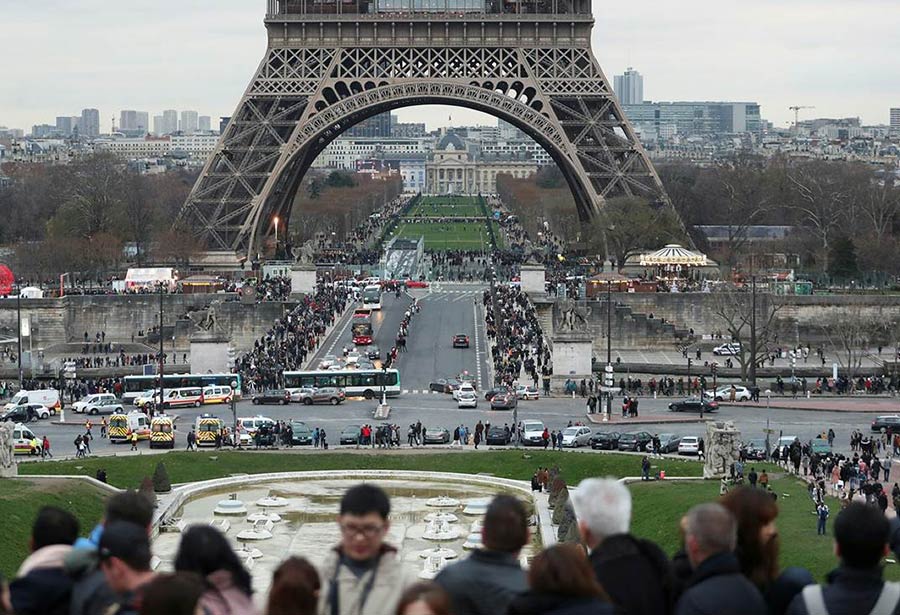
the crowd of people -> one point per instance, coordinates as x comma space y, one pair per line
517, 342
728, 564
292, 338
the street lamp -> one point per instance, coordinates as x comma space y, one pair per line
19, 319
608, 375
234, 434
276, 236
162, 360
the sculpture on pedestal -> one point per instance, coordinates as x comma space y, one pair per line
723, 444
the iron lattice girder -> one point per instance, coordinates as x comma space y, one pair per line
302, 98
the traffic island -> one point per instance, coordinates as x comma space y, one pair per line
646, 419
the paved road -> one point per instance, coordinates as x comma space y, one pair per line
446, 310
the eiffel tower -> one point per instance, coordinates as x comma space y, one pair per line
332, 63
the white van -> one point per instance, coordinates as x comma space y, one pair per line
45, 397
216, 394
90, 400
23, 439
122, 425
248, 426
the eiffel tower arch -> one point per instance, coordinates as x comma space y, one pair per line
332, 63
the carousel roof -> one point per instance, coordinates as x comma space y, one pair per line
673, 254
608, 277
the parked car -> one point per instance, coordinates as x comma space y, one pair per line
755, 449
467, 399
504, 401
350, 434
820, 446
105, 406
460, 341
274, 396
490, 393
321, 395
527, 391
24, 413
82, 404
694, 404
886, 421
576, 436
301, 434
605, 441
437, 436
727, 350
498, 436
668, 443
636, 441
532, 433
689, 445
723, 393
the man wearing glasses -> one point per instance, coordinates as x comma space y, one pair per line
362, 575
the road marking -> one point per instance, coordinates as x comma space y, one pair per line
477, 344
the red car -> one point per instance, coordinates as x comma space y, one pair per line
416, 284
460, 341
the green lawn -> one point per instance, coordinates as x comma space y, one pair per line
446, 235
447, 206
20, 501
658, 506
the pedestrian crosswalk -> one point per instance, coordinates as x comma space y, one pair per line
421, 392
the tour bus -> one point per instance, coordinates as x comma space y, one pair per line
135, 385
371, 297
355, 382
361, 327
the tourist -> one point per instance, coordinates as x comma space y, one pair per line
716, 584
424, 598
861, 536
295, 588
5, 604
821, 517
758, 546
173, 594
561, 581
41, 586
362, 575
91, 594
124, 553
205, 551
489, 578
603, 509
645, 468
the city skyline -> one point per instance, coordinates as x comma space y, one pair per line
802, 54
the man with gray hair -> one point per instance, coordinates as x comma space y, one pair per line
716, 584
634, 572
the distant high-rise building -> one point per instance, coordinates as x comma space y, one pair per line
64, 125
204, 124
42, 131
629, 87
223, 124
158, 125
375, 126
170, 122
143, 122
188, 122
127, 120
509, 132
90, 123
895, 118
695, 118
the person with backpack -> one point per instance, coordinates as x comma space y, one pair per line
861, 534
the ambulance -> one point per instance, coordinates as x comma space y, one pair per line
45, 397
162, 432
24, 441
121, 426
207, 427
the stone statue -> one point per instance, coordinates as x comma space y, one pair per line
7, 450
570, 317
723, 444
204, 319
306, 254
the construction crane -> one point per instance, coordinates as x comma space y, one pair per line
796, 110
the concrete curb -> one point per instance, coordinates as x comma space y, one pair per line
596, 419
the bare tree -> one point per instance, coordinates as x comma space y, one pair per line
734, 308
851, 336
746, 201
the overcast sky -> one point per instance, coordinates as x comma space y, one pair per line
841, 56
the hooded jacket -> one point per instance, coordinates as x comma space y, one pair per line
41, 586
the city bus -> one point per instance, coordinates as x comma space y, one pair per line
355, 382
371, 297
135, 385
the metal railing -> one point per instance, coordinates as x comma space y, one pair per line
452, 8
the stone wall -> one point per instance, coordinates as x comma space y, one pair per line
57, 321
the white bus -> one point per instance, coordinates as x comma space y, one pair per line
136, 385
355, 382
371, 297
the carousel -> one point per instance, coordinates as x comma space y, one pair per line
675, 268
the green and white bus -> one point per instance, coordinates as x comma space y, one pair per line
355, 382
135, 385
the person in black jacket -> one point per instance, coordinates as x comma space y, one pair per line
716, 586
42, 586
635, 572
562, 583
861, 534
486, 582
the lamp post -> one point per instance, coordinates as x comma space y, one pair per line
162, 360
276, 236
752, 372
608, 375
19, 319
234, 434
